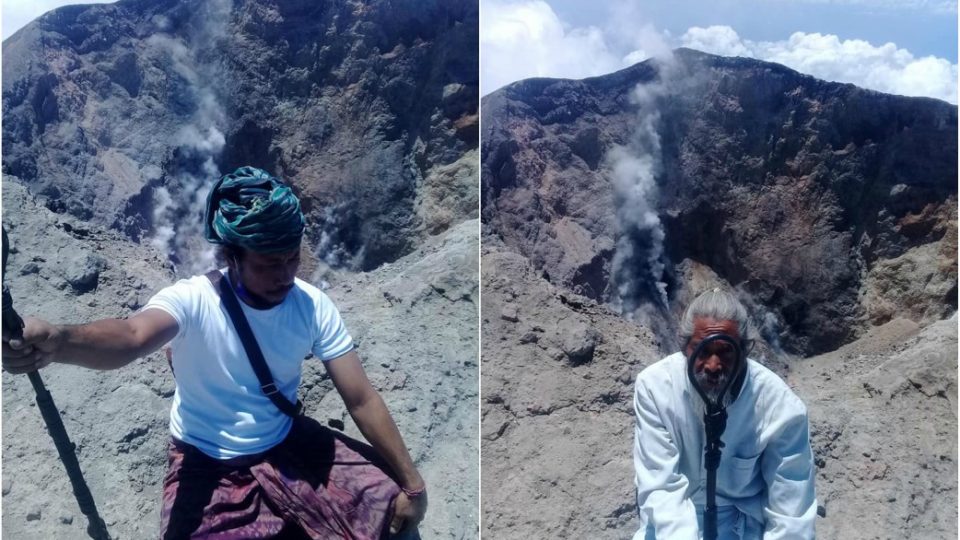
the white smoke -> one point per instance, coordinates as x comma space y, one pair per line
332, 251
189, 246
163, 232
178, 225
638, 262
178, 52
211, 143
770, 330
331, 248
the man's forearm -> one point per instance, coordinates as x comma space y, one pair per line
103, 344
378, 427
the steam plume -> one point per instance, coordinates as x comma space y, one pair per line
638, 263
179, 204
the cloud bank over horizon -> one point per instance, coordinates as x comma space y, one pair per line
526, 38
885, 68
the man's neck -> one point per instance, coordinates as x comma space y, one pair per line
253, 300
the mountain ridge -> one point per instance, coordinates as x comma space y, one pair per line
879, 170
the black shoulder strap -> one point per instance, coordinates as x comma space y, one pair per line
250, 345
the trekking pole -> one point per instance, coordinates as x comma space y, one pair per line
714, 424
13, 324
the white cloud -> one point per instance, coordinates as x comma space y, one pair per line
17, 13
721, 40
885, 68
526, 39
635, 57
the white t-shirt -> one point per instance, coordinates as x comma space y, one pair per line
218, 405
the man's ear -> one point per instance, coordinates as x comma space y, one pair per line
233, 259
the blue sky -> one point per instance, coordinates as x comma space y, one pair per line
906, 47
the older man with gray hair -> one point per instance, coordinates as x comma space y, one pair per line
711, 396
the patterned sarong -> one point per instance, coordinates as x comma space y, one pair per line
317, 482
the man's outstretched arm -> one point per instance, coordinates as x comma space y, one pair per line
369, 412
103, 344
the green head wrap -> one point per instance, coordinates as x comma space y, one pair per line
253, 210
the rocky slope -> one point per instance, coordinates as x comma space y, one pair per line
609, 203
556, 419
122, 114
831, 206
883, 415
415, 321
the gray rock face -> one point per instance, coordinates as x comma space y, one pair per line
83, 272
883, 415
367, 108
796, 191
556, 410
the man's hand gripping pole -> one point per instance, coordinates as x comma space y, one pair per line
13, 326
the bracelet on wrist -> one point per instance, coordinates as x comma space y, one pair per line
414, 493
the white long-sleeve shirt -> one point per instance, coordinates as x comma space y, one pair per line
766, 466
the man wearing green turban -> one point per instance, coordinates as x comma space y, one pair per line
239, 466
253, 210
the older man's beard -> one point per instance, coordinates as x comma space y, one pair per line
699, 407
712, 386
